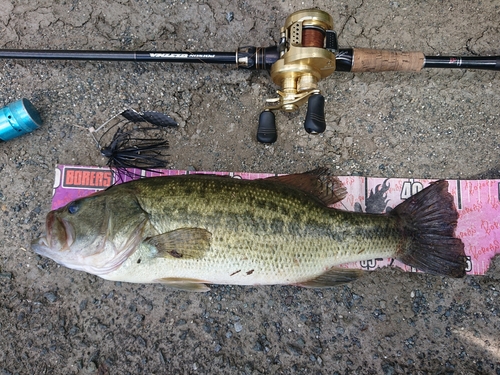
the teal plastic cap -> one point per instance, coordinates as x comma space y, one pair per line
18, 118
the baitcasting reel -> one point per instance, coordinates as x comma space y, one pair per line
307, 51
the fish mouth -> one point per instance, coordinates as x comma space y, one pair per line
60, 235
41, 246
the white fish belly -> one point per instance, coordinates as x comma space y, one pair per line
287, 261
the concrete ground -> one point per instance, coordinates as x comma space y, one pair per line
433, 124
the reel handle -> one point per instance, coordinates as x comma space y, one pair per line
266, 132
315, 122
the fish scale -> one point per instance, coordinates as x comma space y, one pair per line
275, 232
185, 231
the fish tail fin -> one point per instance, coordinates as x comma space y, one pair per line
428, 221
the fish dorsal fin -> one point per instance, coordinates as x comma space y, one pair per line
183, 243
318, 182
188, 285
333, 277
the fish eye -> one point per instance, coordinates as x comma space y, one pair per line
73, 208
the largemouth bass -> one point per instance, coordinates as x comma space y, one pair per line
189, 231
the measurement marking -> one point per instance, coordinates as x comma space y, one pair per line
366, 191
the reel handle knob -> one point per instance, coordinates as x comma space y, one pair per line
266, 132
315, 117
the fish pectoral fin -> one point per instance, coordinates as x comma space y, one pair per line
188, 285
319, 182
333, 277
183, 243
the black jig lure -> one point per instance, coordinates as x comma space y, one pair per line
129, 147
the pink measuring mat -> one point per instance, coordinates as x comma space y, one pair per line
477, 201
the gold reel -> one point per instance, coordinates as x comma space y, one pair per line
307, 54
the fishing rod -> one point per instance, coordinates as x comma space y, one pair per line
306, 53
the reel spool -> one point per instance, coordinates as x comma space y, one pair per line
307, 54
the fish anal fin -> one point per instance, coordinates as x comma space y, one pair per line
333, 277
318, 182
188, 285
183, 243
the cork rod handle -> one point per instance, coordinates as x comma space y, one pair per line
375, 60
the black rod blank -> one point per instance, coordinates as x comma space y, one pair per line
468, 62
180, 57
266, 57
